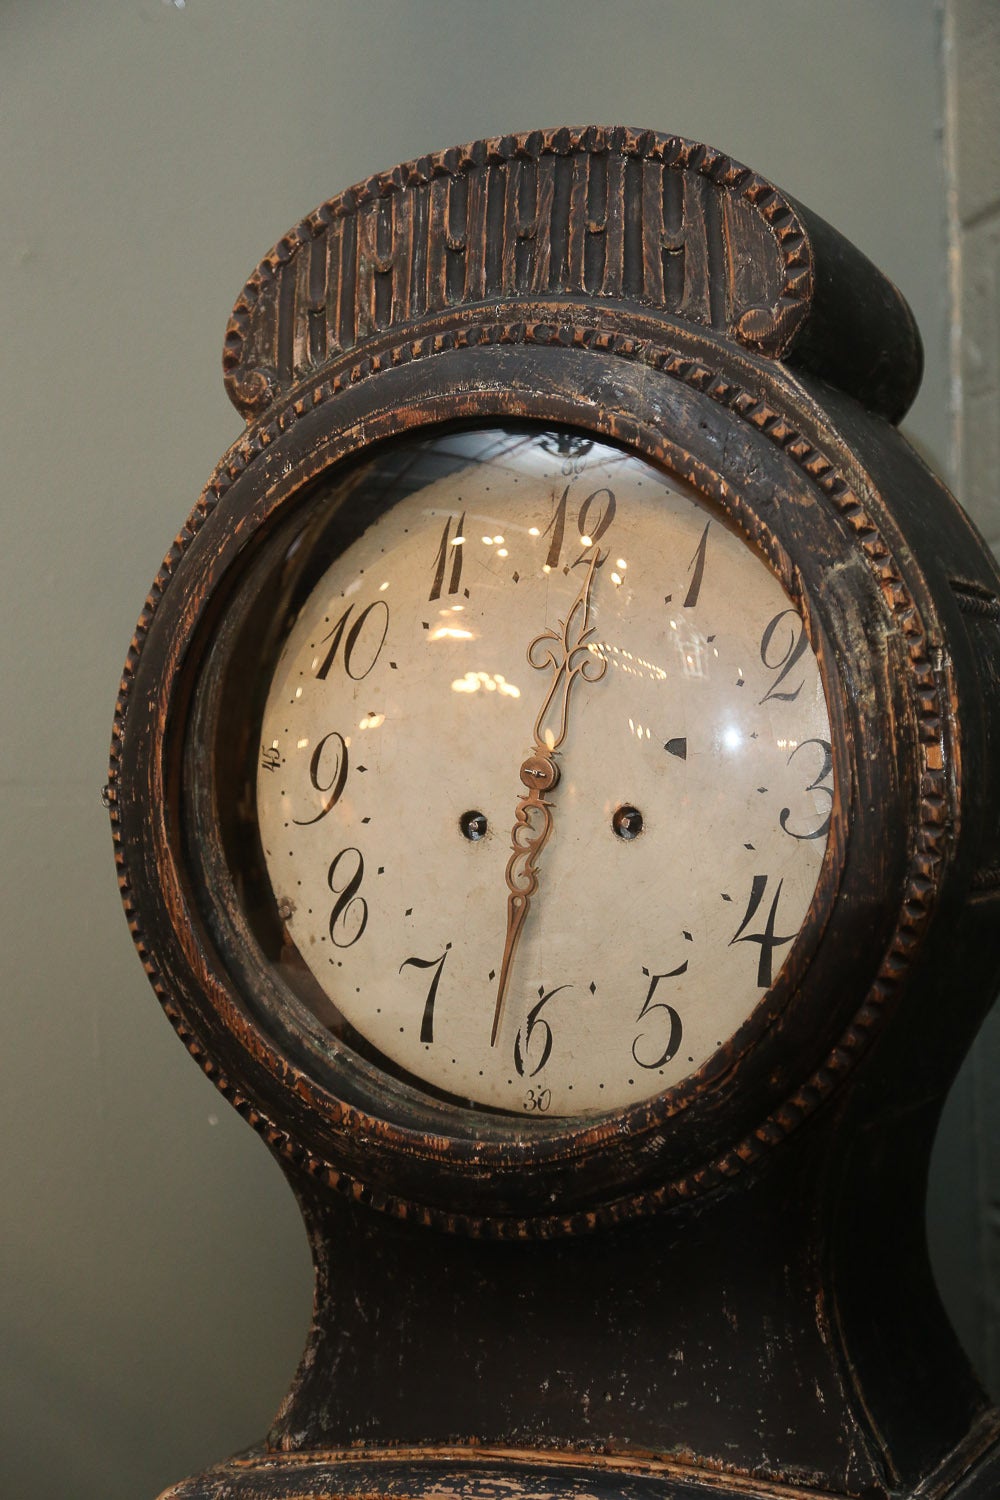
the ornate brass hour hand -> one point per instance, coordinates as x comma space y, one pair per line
566, 651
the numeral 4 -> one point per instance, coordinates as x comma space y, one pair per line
767, 940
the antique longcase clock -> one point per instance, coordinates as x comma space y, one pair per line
554, 790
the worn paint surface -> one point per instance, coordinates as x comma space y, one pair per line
733, 1274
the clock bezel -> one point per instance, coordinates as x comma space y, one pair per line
577, 1173
222, 753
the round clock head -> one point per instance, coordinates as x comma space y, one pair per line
533, 776
544, 778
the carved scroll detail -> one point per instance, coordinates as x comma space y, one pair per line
596, 214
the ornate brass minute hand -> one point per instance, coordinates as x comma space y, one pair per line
566, 651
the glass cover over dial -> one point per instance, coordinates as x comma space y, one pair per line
545, 776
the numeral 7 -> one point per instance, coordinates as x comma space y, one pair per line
437, 964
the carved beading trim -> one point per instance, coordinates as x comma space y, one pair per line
596, 212
934, 829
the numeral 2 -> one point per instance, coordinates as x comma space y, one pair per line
796, 645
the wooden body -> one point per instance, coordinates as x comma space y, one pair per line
729, 1292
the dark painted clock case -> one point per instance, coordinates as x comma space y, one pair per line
726, 1291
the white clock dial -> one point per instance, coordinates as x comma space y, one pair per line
543, 639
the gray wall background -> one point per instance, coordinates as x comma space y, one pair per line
155, 1286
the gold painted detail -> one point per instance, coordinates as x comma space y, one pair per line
568, 653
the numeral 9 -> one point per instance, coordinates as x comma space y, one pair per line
338, 778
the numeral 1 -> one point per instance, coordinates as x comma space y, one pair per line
698, 564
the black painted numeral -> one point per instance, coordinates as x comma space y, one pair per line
537, 1037
818, 785
767, 940
537, 1099
796, 646
557, 526
455, 546
336, 763
357, 650
696, 567
349, 916
593, 519
670, 1019
437, 964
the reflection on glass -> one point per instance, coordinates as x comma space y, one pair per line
690, 799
